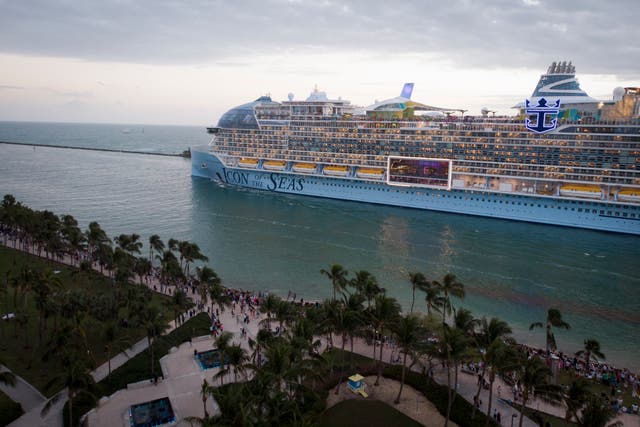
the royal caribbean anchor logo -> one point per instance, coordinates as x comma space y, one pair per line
545, 116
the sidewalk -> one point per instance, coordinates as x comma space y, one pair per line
23, 392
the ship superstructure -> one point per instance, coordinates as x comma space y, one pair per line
406, 153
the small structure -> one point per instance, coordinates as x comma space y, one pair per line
357, 385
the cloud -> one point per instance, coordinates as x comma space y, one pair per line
491, 33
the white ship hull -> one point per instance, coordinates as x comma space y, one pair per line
571, 212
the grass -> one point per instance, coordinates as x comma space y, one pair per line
435, 393
9, 410
597, 387
365, 413
21, 351
138, 368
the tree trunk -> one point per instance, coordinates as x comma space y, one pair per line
480, 384
351, 355
449, 395
491, 381
379, 365
524, 399
404, 364
70, 408
341, 366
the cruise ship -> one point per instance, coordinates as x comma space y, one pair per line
565, 159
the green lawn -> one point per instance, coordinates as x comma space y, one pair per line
435, 393
9, 410
365, 413
21, 351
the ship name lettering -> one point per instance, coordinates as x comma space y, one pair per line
278, 182
235, 177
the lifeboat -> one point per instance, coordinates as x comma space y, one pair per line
335, 170
304, 167
273, 165
577, 190
248, 163
629, 195
371, 173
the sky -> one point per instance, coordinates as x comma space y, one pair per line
188, 61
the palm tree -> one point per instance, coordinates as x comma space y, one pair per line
142, 268
205, 392
591, 349
449, 287
533, 377
575, 398
489, 342
353, 319
45, 284
269, 307
500, 358
155, 245
366, 284
130, 243
338, 277
180, 303
192, 253
418, 281
155, 324
383, 313
223, 343
406, 332
74, 377
452, 347
95, 236
597, 413
554, 319
114, 341
237, 358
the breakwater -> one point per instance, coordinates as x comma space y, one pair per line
110, 150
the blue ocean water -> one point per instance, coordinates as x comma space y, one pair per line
261, 241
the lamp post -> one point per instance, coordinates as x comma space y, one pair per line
513, 417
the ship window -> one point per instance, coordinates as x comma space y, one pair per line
579, 209
601, 212
624, 214
632, 215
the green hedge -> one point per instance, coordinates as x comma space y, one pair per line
438, 395
138, 368
434, 392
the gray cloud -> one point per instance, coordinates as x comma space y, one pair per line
598, 36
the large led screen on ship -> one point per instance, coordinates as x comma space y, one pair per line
419, 172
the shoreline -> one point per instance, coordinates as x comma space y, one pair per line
152, 282
246, 329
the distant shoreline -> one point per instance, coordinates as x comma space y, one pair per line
110, 150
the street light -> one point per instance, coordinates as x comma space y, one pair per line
513, 417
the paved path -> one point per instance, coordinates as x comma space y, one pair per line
467, 384
23, 392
